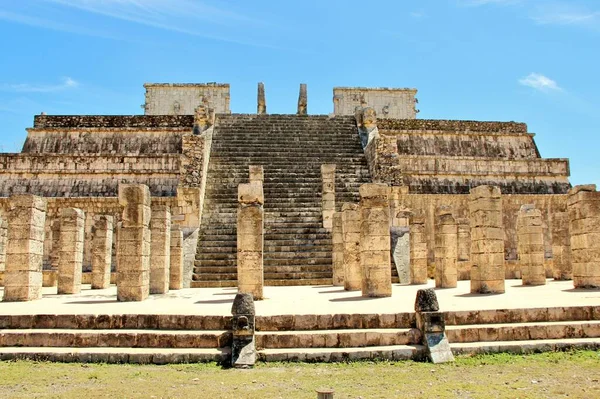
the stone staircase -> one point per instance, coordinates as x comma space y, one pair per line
344, 337
163, 339
158, 339
291, 150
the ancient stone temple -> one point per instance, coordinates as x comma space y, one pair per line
193, 153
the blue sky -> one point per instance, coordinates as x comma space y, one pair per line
534, 61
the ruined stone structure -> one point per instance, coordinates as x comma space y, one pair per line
133, 246
531, 246
160, 249
250, 239
102, 245
192, 153
70, 259
25, 244
487, 245
375, 259
446, 249
584, 225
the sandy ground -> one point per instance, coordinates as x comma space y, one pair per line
304, 300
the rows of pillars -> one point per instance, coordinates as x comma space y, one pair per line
24, 246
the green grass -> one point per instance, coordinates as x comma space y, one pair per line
547, 375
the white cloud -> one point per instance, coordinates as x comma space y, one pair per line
564, 14
539, 82
475, 3
67, 83
190, 17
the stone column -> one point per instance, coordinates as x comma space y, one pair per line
250, 239
133, 248
55, 244
176, 259
418, 251
160, 227
328, 194
464, 239
375, 240
261, 107
446, 249
70, 252
102, 242
338, 250
530, 245
584, 224
24, 248
3, 238
487, 240
561, 246
256, 173
303, 100
351, 237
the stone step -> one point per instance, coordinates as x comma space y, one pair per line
117, 355
526, 346
523, 331
116, 338
282, 275
115, 321
197, 283
326, 355
350, 338
199, 270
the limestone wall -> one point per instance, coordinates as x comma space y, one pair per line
112, 121
183, 99
387, 102
103, 140
502, 155
465, 144
61, 175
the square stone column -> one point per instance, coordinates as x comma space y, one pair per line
375, 240
102, 242
133, 243
418, 251
25, 248
446, 249
70, 252
176, 259
3, 239
54, 251
487, 240
328, 194
584, 224
530, 245
338, 250
351, 236
160, 226
561, 246
256, 173
250, 239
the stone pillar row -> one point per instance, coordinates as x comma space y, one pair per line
143, 231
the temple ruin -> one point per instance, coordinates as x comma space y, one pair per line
192, 195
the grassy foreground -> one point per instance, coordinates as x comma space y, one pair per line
548, 375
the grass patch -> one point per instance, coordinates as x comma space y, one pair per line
545, 375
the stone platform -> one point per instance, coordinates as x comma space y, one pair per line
303, 323
304, 300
